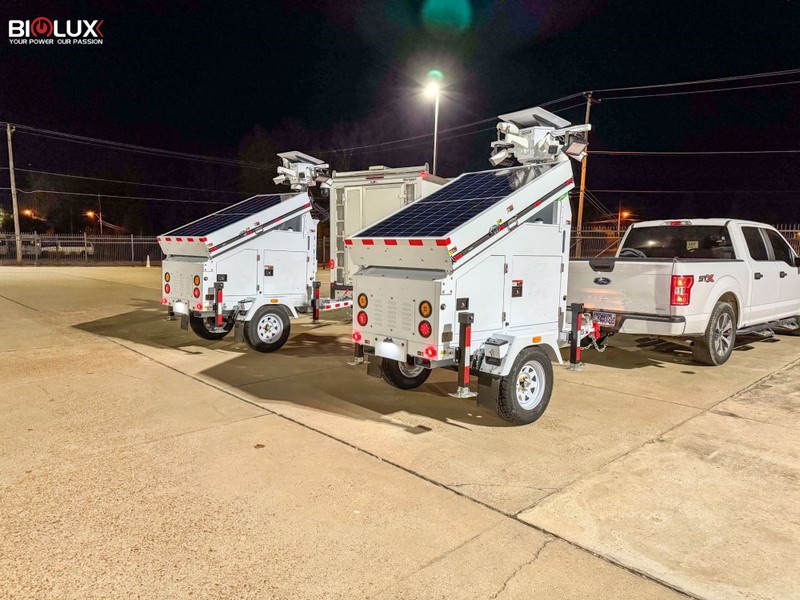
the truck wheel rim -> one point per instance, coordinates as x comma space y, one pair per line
723, 334
410, 371
530, 385
270, 328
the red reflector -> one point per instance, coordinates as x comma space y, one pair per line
430, 352
196, 292
537, 203
368, 242
423, 173
362, 318
680, 293
164, 301
203, 239
200, 307
569, 181
458, 256
390, 242
348, 242
251, 232
415, 242
167, 239
213, 248
331, 264
425, 329
443, 242
167, 288
178, 239
356, 336
189, 239
307, 206
158, 239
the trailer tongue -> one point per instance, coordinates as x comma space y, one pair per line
474, 276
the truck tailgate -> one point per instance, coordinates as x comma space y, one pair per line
621, 285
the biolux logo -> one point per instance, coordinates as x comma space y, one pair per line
44, 31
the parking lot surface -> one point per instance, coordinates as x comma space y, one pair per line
139, 460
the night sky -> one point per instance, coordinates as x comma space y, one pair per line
245, 80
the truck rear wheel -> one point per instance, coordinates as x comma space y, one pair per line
716, 345
525, 392
206, 330
268, 330
403, 375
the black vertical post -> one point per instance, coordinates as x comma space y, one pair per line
315, 302
333, 290
574, 342
465, 321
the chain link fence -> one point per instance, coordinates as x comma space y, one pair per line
80, 249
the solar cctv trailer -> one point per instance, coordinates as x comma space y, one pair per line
360, 198
250, 266
474, 276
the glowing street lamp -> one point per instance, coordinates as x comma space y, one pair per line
433, 90
622, 214
28, 213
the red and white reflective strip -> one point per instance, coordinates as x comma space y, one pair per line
401, 241
219, 307
177, 239
467, 353
334, 304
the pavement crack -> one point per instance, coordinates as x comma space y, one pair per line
522, 566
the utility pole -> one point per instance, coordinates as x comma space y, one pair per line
100, 213
583, 181
14, 205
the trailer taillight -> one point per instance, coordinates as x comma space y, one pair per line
356, 336
167, 288
430, 352
363, 301
425, 329
362, 318
196, 292
197, 281
680, 293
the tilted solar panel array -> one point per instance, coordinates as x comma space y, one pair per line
228, 215
444, 210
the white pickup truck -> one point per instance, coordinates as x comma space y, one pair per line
698, 281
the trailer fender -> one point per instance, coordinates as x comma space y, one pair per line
259, 302
516, 344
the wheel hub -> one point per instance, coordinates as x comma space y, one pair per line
270, 328
530, 385
723, 334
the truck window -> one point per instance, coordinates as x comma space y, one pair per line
780, 248
755, 243
679, 241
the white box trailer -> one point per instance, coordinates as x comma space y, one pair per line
250, 266
474, 276
360, 198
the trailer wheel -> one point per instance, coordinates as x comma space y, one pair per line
204, 328
525, 391
402, 375
268, 330
716, 345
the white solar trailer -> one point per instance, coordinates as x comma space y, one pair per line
250, 266
475, 275
360, 198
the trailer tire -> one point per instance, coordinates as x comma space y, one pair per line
403, 376
716, 345
268, 330
200, 326
525, 392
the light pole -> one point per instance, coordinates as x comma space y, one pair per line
432, 90
621, 214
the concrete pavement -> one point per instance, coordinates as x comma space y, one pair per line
138, 459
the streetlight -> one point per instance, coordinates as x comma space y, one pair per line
28, 213
91, 214
433, 90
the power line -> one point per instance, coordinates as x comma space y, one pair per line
95, 195
692, 92
175, 187
78, 139
688, 153
697, 191
701, 81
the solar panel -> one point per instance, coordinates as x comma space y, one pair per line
445, 209
228, 215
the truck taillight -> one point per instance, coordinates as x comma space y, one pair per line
680, 293
362, 318
166, 288
425, 329
196, 292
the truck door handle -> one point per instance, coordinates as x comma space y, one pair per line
758, 276
783, 274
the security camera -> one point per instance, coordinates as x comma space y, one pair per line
499, 157
280, 179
